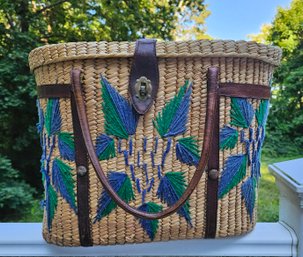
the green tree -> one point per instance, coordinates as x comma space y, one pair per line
26, 24
285, 123
261, 37
191, 25
15, 195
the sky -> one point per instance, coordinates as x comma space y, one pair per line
235, 19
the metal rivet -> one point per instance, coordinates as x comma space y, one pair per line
213, 174
81, 170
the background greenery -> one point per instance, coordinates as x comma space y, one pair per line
26, 24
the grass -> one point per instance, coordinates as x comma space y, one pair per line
268, 198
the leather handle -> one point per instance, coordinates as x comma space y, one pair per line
212, 105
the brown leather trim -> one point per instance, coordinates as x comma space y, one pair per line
81, 160
212, 105
225, 89
145, 64
244, 90
55, 90
213, 165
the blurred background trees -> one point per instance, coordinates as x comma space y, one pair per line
26, 24
285, 122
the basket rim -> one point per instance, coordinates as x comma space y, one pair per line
54, 53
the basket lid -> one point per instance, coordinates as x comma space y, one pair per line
54, 53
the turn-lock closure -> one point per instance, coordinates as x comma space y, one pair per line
144, 76
143, 88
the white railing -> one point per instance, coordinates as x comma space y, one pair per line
283, 238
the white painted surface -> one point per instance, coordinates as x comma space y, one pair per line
289, 179
293, 170
267, 239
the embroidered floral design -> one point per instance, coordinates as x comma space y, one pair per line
234, 170
241, 113
248, 190
66, 146
51, 204
120, 182
228, 138
150, 226
187, 151
171, 188
105, 147
52, 116
120, 117
171, 121
120, 124
61, 182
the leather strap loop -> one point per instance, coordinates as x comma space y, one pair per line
244, 90
56, 90
81, 160
144, 75
212, 105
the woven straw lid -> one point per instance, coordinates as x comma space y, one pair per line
165, 49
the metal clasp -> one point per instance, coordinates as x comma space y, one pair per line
143, 88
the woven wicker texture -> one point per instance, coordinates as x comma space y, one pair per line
239, 62
200, 48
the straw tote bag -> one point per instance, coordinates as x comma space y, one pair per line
151, 141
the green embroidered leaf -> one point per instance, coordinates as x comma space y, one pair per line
121, 183
105, 147
150, 226
120, 118
51, 205
171, 188
171, 121
262, 112
228, 138
233, 172
52, 120
241, 112
187, 151
63, 182
66, 146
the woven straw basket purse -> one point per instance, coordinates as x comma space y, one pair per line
151, 141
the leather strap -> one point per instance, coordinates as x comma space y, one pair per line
212, 105
56, 90
244, 90
144, 71
81, 160
213, 165
225, 89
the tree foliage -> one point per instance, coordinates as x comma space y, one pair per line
15, 195
287, 28
26, 24
285, 123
